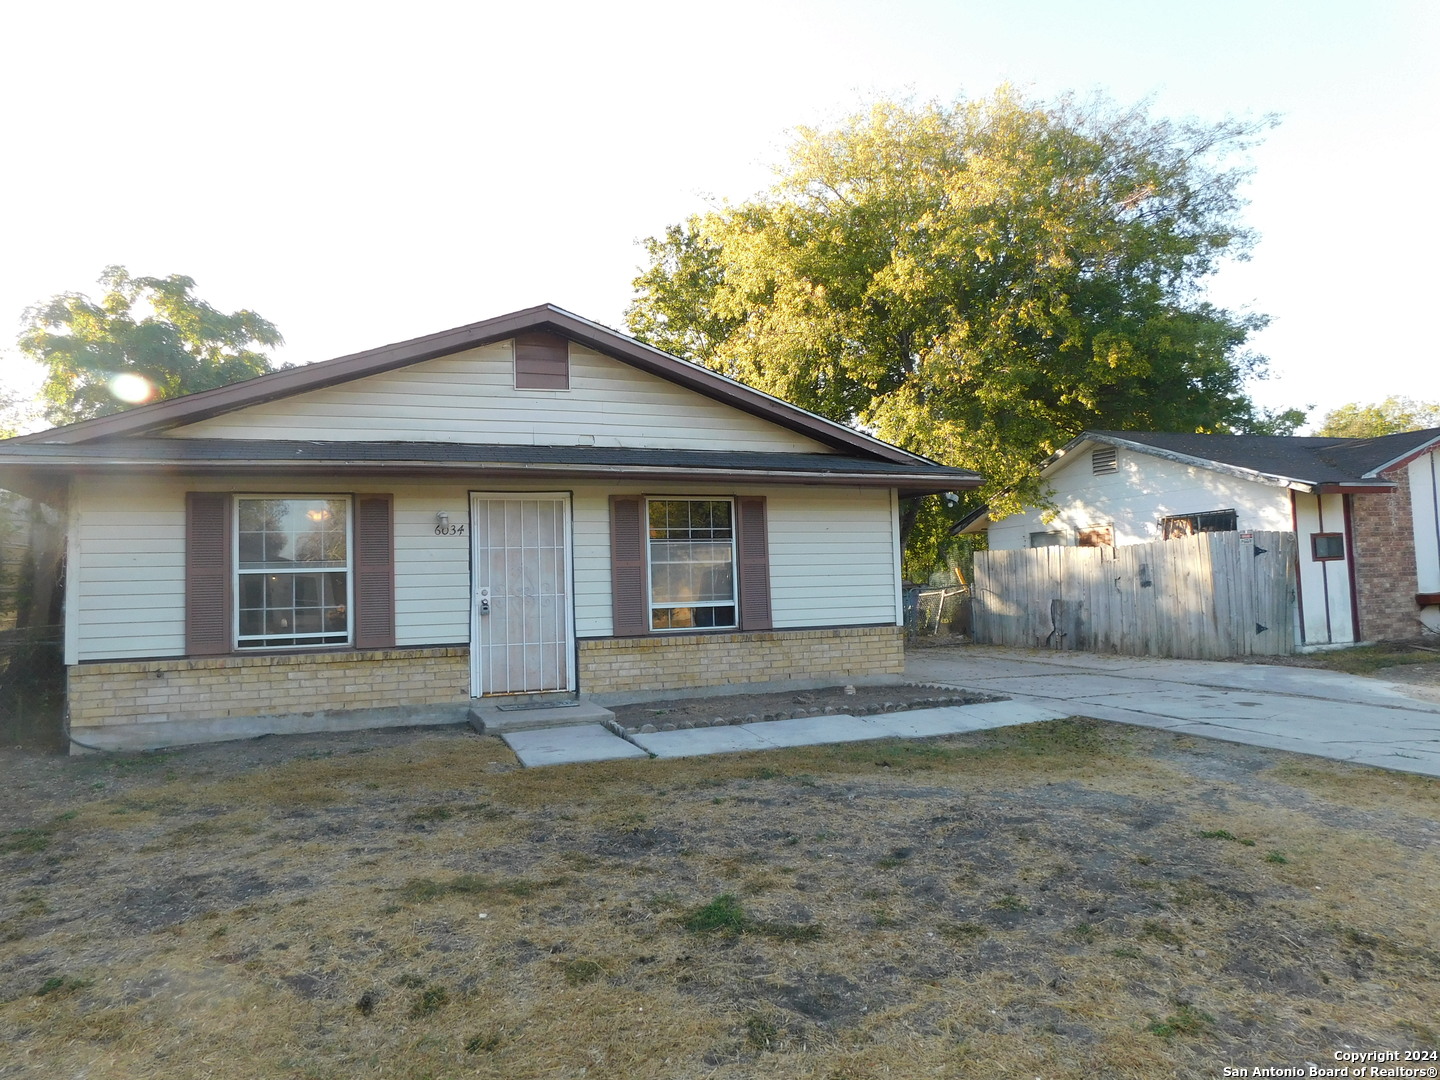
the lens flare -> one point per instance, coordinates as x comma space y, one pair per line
132, 389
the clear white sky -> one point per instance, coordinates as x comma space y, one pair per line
360, 173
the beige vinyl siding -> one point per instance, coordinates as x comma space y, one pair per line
432, 573
471, 398
590, 539
130, 566
129, 574
831, 557
831, 554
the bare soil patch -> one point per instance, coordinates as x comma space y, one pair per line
824, 701
1069, 900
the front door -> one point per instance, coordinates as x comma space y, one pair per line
522, 629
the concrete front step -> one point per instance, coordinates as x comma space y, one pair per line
493, 720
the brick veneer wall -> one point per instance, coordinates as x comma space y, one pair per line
225, 687
143, 703
1385, 576
619, 665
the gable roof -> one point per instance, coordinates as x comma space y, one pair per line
160, 415
1309, 463
1306, 462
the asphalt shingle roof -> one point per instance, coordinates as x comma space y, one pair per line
124, 453
180, 451
1312, 459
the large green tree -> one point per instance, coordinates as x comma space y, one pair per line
977, 282
1389, 417
146, 338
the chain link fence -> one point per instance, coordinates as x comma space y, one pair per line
937, 611
32, 687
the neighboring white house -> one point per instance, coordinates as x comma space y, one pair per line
1366, 513
529, 504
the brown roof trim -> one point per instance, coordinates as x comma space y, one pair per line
545, 317
1342, 487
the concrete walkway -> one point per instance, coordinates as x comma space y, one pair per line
591, 742
1325, 713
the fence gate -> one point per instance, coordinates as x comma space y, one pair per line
1202, 597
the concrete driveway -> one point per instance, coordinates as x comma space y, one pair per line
1326, 713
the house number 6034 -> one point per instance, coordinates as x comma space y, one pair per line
449, 530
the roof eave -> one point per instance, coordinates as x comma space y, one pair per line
1355, 487
908, 484
975, 522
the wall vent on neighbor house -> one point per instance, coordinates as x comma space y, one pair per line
1104, 459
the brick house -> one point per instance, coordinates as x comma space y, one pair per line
529, 505
1366, 514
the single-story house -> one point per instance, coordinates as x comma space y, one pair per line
1366, 514
532, 504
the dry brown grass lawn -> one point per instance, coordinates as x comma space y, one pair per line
1066, 900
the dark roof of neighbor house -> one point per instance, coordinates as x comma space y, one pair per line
1305, 463
1309, 461
547, 318
408, 458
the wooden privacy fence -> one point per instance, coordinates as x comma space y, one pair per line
1203, 597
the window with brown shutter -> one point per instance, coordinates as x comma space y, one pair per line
691, 550
304, 577
207, 573
754, 558
374, 572
292, 574
542, 362
681, 564
629, 612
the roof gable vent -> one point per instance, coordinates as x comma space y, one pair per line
542, 362
1104, 459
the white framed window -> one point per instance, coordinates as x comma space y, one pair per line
691, 550
292, 571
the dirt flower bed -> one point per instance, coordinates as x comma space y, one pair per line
1069, 900
716, 711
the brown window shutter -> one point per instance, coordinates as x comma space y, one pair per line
752, 541
627, 566
542, 362
207, 573
374, 572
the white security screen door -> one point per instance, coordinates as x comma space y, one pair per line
522, 629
